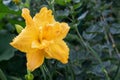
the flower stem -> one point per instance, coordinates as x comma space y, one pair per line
43, 72
94, 53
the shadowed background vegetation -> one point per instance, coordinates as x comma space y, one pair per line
93, 39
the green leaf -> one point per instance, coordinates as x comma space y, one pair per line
78, 5
2, 75
13, 78
2, 15
115, 29
62, 2
5, 10
6, 51
88, 36
61, 14
82, 16
76, 1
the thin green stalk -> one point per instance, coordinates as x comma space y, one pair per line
108, 42
29, 75
106, 74
48, 72
43, 72
80, 38
106, 34
100, 61
117, 72
114, 44
93, 53
71, 71
66, 74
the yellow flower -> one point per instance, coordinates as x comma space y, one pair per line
16, 1
42, 38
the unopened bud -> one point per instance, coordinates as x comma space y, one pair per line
19, 28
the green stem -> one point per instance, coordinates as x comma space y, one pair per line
48, 72
29, 75
106, 34
117, 72
80, 38
93, 53
106, 74
71, 71
43, 72
66, 74
114, 44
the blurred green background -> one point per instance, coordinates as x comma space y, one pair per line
93, 39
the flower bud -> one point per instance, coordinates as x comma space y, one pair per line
29, 76
19, 28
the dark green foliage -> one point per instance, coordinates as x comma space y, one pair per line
93, 39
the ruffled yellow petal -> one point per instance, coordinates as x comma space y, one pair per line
34, 59
24, 40
65, 28
43, 17
27, 17
58, 50
55, 31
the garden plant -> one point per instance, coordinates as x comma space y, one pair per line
59, 40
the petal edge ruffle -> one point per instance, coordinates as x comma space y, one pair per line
58, 50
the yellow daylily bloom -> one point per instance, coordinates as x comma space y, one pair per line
42, 38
